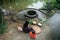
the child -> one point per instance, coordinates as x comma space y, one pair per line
32, 34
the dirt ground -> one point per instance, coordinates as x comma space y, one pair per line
13, 34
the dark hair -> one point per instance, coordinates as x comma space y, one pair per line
26, 24
33, 31
30, 29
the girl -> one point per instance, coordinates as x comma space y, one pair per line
32, 34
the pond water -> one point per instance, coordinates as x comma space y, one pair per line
36, 5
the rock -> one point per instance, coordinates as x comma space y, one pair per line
54, 24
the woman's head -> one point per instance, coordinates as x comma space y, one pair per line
26, 24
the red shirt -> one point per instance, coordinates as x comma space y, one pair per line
32, 35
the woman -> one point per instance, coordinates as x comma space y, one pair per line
26, 28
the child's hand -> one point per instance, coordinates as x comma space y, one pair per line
36, 35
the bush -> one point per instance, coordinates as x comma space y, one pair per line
2, 23
3, 27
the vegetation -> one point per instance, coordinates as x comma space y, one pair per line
15, 4
2, 23
20, 4
50, 6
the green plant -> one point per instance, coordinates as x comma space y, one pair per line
3, 24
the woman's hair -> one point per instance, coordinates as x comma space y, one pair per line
26, 24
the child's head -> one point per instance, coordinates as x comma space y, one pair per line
33, 31
33, 34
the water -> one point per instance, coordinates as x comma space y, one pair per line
36, 5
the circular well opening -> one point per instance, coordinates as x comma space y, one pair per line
31, 12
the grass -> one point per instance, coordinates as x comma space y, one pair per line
3, 27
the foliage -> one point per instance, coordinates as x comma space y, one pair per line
3, 27
15, 4
51, 6
2, 23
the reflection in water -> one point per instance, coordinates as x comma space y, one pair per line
36, 5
